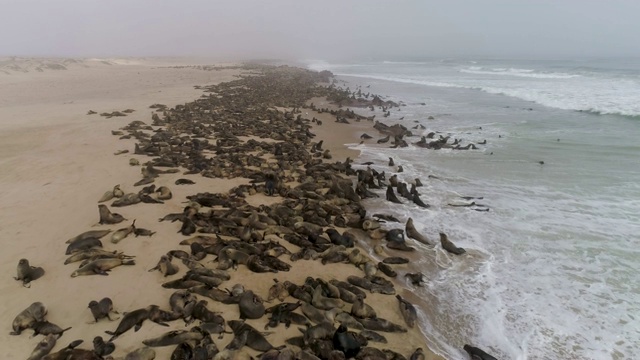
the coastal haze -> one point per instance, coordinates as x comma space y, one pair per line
324, 30
547, 90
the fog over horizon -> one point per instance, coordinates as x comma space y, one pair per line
331, 30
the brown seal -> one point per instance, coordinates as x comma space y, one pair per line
89, 234
28, 273
408, 311
120, 234
131, 319
175, 337
107, 217
47, 328
101, 266
412, 233
165, 266
251, 306
449, 246
29, 316
101, 309
43, 348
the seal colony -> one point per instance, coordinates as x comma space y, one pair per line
254, 130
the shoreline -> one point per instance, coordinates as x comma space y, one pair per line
112, 285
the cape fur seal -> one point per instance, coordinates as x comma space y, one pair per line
43, 348
143, 353
27, 317
254, 339
101, 266
102, 348
28, 273
133, 319
251, 306
391, 195
408, 311
89, 234
345, 342
122, 233
175, 337
449, 246
165, 266
107, 217
101, 309
412, 233
82, 245
477, 353
47, 328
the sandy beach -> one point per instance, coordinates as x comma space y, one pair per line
56, 162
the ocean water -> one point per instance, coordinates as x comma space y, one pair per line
553, 270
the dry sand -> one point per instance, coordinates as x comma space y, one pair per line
56, 162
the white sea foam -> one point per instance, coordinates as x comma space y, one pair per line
551, 270
602, 96
528, 73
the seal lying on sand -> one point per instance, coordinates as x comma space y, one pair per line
43, 348
101, 266
29, 316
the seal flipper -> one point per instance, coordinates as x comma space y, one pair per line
138, 326
100, 272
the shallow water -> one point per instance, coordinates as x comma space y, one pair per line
551, 268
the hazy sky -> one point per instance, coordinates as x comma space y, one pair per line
321, 29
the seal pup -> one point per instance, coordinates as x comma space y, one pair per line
120, 234
27, 317
102, 348
346, 342
102, 309
143, 232
28, 273
449, 246
101, 266
165, 266
391, 163
408, 311
477, 353
43, 348
47, 328
107, 217
412, 233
